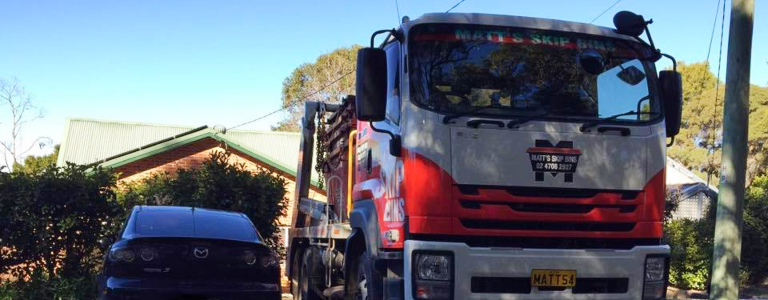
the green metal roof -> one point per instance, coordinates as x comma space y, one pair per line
113, 143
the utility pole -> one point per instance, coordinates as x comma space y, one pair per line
727, 252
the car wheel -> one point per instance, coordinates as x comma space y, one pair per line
367, 281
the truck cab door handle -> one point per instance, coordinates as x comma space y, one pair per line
623, 130
369, 162
476, 123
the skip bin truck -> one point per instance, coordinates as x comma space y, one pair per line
490, 157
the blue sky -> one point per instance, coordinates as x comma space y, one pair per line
223, 62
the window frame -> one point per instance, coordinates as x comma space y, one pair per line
393, 110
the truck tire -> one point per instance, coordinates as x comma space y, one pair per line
296, 264
306, 287
366, 281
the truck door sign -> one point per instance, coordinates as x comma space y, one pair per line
561, 158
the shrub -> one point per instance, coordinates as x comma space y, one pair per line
41, 288
692, 242
689, 261
754, 252
51, 221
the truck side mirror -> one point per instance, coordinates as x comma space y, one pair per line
671, 84
629, 23
371, 90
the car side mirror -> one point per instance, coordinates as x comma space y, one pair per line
671, 84
371, 89
105, 242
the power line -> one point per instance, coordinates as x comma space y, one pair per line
457, 4
717, 93
294, 101
714, 24
605, 11
398, 11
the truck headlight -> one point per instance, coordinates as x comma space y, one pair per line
655, 277
433, 267
433, 275
654, 268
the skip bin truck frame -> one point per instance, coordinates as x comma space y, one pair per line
490, 157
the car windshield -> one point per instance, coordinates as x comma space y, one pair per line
455, 69
179, 223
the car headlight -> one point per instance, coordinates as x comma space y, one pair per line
433, 267
249, 257
122, 254
147, 254
269, 260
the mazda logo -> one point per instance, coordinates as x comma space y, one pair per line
200, 252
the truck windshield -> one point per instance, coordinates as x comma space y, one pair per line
513, 73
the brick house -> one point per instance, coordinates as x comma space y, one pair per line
136, 150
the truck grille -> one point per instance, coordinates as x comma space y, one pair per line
522, 285
501, 285
546, 192
549, 207
548, 226
541, 242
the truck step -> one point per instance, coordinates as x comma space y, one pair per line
334, 292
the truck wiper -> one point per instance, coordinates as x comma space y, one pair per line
594, 123
447, 119
525, 119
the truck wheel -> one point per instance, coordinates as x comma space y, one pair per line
367, 281
296, 264
306, 290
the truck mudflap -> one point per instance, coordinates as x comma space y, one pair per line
506, 273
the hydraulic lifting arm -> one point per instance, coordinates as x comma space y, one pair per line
306, 151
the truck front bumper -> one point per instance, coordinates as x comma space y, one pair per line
495, 270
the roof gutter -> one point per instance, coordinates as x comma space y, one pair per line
101, 161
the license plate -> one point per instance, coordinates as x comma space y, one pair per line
553, 278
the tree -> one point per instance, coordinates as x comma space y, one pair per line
36, 164
318, 81
698, 144
19, 103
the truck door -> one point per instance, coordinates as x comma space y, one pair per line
379, 173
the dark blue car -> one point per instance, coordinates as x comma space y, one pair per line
167, 252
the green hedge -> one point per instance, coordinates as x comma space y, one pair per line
59, 288
754, 247
691, 254
692, 242
50, 221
